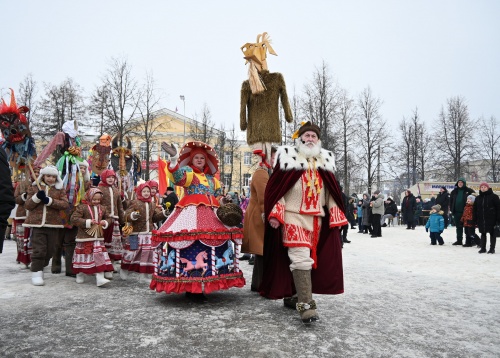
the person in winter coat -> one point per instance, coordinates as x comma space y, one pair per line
7, 202
435, 225
458, 199
408, 207
349, 216
418, 212
487, 215
367, 211
377, 211
443, 199
391, 210
467, 220
360, 216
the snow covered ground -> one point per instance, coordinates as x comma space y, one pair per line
403, 298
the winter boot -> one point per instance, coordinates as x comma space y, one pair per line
108, 275
291, 302
305, 305
477, 240
492, 245
483, 245
457, 243
100, 280
37, 278
468, 242
144, 277
123, 274
80, 277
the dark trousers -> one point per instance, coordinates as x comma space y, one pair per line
446, 219
377, 229
360, 223
43, 242
459, 225
343, 232
258, 270
66, 239
471, 236
409, 222
436, 236
493, 239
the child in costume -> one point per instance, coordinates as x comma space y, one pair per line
46, 199
468, 221
435, 225
138, 255
90, 256
23, 233
113, 203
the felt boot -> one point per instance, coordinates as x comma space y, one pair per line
100, 280
123, 274
37, 278
305, 305
80, 277
108, 275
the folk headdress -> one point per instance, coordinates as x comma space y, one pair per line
190, 149
13, 121
106, 174
306, 127
255, 54
138, 192
89, 194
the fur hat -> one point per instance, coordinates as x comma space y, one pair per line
87, 174
471, 197
484, 183
436, 207
308, 126
51, 170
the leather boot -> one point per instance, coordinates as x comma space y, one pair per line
483, 245
493, 242
305, 305
290, 302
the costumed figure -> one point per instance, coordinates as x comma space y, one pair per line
99, 156
18, 144
194, 232
304, 211
260, 96
90, 256
138, 254
113, 202
23, 233
126, 165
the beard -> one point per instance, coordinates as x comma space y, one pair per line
307, 151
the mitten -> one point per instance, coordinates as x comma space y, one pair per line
46, 200
41, 194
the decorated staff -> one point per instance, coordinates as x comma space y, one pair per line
126, 165
260, 96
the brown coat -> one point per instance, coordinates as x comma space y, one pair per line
21, 195
147, 215
112, 200
263, 121
41, 215
253, 226
82, 218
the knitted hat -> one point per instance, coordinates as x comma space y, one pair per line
436, 207
471, 197
376, 192
51, 170
485, 184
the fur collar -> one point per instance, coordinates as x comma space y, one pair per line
289, 158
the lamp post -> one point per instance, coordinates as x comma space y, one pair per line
183, 99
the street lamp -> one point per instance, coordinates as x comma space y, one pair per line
183, 99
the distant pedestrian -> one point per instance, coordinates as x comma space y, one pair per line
408, 207
468, 223
435, 225
458, 199
377, 212
487, 215
443, 199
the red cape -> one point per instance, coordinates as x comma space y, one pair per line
328, 277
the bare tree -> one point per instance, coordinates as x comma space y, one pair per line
147, 128
98, 108
287, 129
231, 150
219, 147
320, 103
490, 140
121, 98
27, 97
371, 137
60, 104
455, 138
202, 128
347, 130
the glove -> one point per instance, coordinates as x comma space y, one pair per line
426, 229
46, 200
41, 194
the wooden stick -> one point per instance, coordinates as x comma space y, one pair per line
33, 174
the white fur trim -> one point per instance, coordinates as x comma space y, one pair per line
50, 201
106, 225
35, 199
24, 196
147, 217
50, 170
290, 159
88, 223
134, 216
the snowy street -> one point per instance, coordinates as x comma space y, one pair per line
403, 298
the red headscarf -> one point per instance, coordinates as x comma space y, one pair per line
138, 192
89, 194
153, 184
105, 175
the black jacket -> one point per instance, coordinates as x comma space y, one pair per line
391, 208
486, 212
408, 207
443, 199
453, 196
172, 199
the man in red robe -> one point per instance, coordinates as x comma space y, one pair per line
304, 212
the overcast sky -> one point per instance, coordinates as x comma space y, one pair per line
411, 53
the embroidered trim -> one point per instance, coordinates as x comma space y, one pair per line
302, 307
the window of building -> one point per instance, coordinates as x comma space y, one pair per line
227, 180
247, 158
246, 179
143, 151
228, 158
